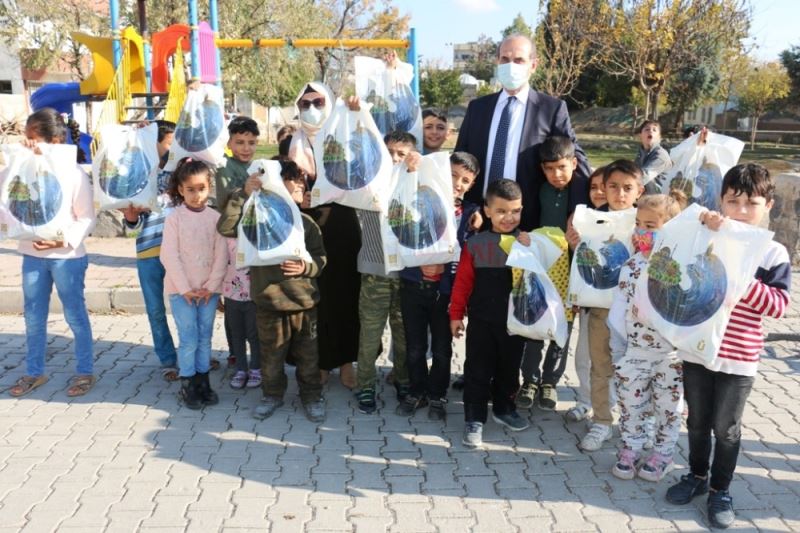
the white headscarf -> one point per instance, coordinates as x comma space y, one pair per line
300, 149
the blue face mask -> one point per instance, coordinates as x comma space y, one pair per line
512, 76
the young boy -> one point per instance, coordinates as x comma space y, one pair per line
286, 298
652, 158
557, 156
481, 288
435, 130
424, 298
622, 181
242, 141
148, 265
379, 298
717, 393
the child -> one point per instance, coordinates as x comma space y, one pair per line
648, 373
424, 298
482, 287
717, 393
435, 130
652, 158
148, 264
583, 405
240, 320
622, 181
557, 156
286, 298
242, 141
62, 262
194, 256
380, 296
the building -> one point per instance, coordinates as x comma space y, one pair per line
463, 53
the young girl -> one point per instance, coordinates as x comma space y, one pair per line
240, 318
648, 375
62, 262
195, 257
583, 406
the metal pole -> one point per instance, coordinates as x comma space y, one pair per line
213, 15
195, 40
148, 71
413, 59
115, 34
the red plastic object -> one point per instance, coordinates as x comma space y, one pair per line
164, 44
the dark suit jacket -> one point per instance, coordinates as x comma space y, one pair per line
544, 116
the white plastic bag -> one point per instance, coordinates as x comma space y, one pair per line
694, 279
125, 168
200, 132
37, 191
393, 105
271, 230
420, 228
353, 165
605, 246
535, 309
697, 170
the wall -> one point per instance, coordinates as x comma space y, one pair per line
784, 218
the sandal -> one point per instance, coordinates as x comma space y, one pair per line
239, 379
254, 378
26, 384
214, 364
80, 385
170, 373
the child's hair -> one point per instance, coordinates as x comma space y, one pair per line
625, 166
165, 127
285, 131
186, 168
680, 196
50, 125
648, 123
400, 137
503, 188
660, 203
435, 113
243, 124
751, 179
283, 147
555, 148
290, 170
466, 160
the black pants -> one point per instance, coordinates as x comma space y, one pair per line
555, 361
240, 325
423, 308
491, 369
716, 402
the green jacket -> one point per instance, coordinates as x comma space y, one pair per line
229, 178
270, 288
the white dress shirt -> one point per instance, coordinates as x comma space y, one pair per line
514, 133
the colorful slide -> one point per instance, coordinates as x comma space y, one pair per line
61, 96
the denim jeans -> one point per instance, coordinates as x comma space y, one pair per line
151, 279
423, 307
38, 276
716, 402
195, 324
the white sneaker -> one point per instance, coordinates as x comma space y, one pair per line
579, 412
598, 434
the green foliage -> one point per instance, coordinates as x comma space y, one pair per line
440, 88
790, 59
518, 27
762, 89
483, 61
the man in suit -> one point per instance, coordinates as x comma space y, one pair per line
504, 131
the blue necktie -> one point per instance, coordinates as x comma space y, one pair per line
500, 140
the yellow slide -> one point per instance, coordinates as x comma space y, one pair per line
102, 49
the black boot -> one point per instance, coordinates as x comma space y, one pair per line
188, 393
207, 396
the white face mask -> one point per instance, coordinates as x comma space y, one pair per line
513, 76
312, 116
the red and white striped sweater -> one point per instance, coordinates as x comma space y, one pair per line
768, 295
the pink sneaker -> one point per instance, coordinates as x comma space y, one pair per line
239, 379
625, 468
253, 379
656, 467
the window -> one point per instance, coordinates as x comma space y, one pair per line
5, 86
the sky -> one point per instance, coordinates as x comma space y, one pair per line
440, 23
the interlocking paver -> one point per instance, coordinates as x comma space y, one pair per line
128, 457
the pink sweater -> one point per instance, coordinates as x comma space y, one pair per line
193, 253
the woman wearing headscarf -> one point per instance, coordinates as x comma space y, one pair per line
340, 282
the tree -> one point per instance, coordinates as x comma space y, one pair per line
790, 58
761, 90
440, 88
652, 40
518, 27
693, 84
481, 64
569, 39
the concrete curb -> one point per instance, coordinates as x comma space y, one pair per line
97, 301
